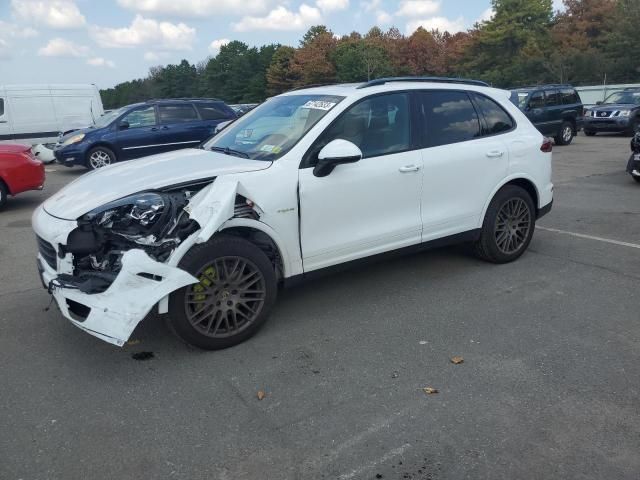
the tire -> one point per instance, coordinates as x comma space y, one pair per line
100, 157
225, 265
4, 192
509, 204
589, 133
635, 124
637, 179
565, 135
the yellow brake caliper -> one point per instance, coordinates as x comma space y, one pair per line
206, 280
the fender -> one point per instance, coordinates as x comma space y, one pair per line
514, 176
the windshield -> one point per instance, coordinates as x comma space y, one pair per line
107, 118
520, 99
631, 98
272, 129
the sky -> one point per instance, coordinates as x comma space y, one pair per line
106, 42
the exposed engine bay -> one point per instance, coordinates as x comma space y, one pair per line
155, 222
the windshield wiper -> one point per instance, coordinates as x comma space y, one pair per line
230, 151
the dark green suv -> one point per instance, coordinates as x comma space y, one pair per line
555, 110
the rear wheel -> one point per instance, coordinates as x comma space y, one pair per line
508, 226
99, 157
4, 191
236, 291
565, 135
589, 133
637, 179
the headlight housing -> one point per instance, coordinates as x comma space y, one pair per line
137, 214
587, 113
624, 113
74, 139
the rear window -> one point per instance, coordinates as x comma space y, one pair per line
449, 117
570, 96
212, 111
497, 119
177, 113
553, 98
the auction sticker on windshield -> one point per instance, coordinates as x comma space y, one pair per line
319, 105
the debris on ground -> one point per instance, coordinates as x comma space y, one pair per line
395, 375
133, 342
261, 394
457, 360
430, 390
142, 355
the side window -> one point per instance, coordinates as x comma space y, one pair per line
177, 113
211, 111
497, 119
448, 117
569, 96
143, 117
378, 126
536, 100
553, 98
1, 107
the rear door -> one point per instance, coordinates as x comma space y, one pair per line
179, 126
5, 126
464, 158
536, 112
142, 136
555, 110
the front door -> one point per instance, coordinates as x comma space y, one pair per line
370, 206
138, 134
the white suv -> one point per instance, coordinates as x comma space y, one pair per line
308, 180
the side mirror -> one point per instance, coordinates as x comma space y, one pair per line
123, 125
336, 152
599, 102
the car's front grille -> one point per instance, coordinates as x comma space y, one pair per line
603, 114
47, 251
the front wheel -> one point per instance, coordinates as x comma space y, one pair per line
565, 135
4, 191
236, 291
99, 157
508, 226
637, 179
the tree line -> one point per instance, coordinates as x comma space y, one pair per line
524, 43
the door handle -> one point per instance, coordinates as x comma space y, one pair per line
154, 129
165, 128
495, 154
409, 168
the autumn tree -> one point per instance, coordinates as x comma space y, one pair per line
280, 76
623, 41
312, 61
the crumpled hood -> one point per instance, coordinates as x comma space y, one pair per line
75, 131
96, 188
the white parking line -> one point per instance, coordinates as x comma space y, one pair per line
590, 237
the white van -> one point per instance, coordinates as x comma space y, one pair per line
33, 114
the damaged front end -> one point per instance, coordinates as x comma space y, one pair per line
108, 269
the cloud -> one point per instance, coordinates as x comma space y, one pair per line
332, 5
100, 62
383, 18
143, 31
487, 15
10, 30
60, 14
414, 8
442, 24
5, 50
59, 47
195, 8
281, 19
214, 47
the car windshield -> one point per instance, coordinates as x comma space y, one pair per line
519, 98
107, 118
630, 98
272, 129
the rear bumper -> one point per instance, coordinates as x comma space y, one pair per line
545, 210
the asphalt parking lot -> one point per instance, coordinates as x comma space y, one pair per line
549, 387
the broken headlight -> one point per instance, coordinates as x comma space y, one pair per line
138, 214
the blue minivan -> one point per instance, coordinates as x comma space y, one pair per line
142, 129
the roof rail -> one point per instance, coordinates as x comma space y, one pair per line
544, 85
382, 81
186, 99
312, 85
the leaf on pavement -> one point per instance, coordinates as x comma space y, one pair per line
430, 390
261, 394
457, 360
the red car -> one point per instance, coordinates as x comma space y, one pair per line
19, 171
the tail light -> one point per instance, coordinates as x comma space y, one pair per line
547, 145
